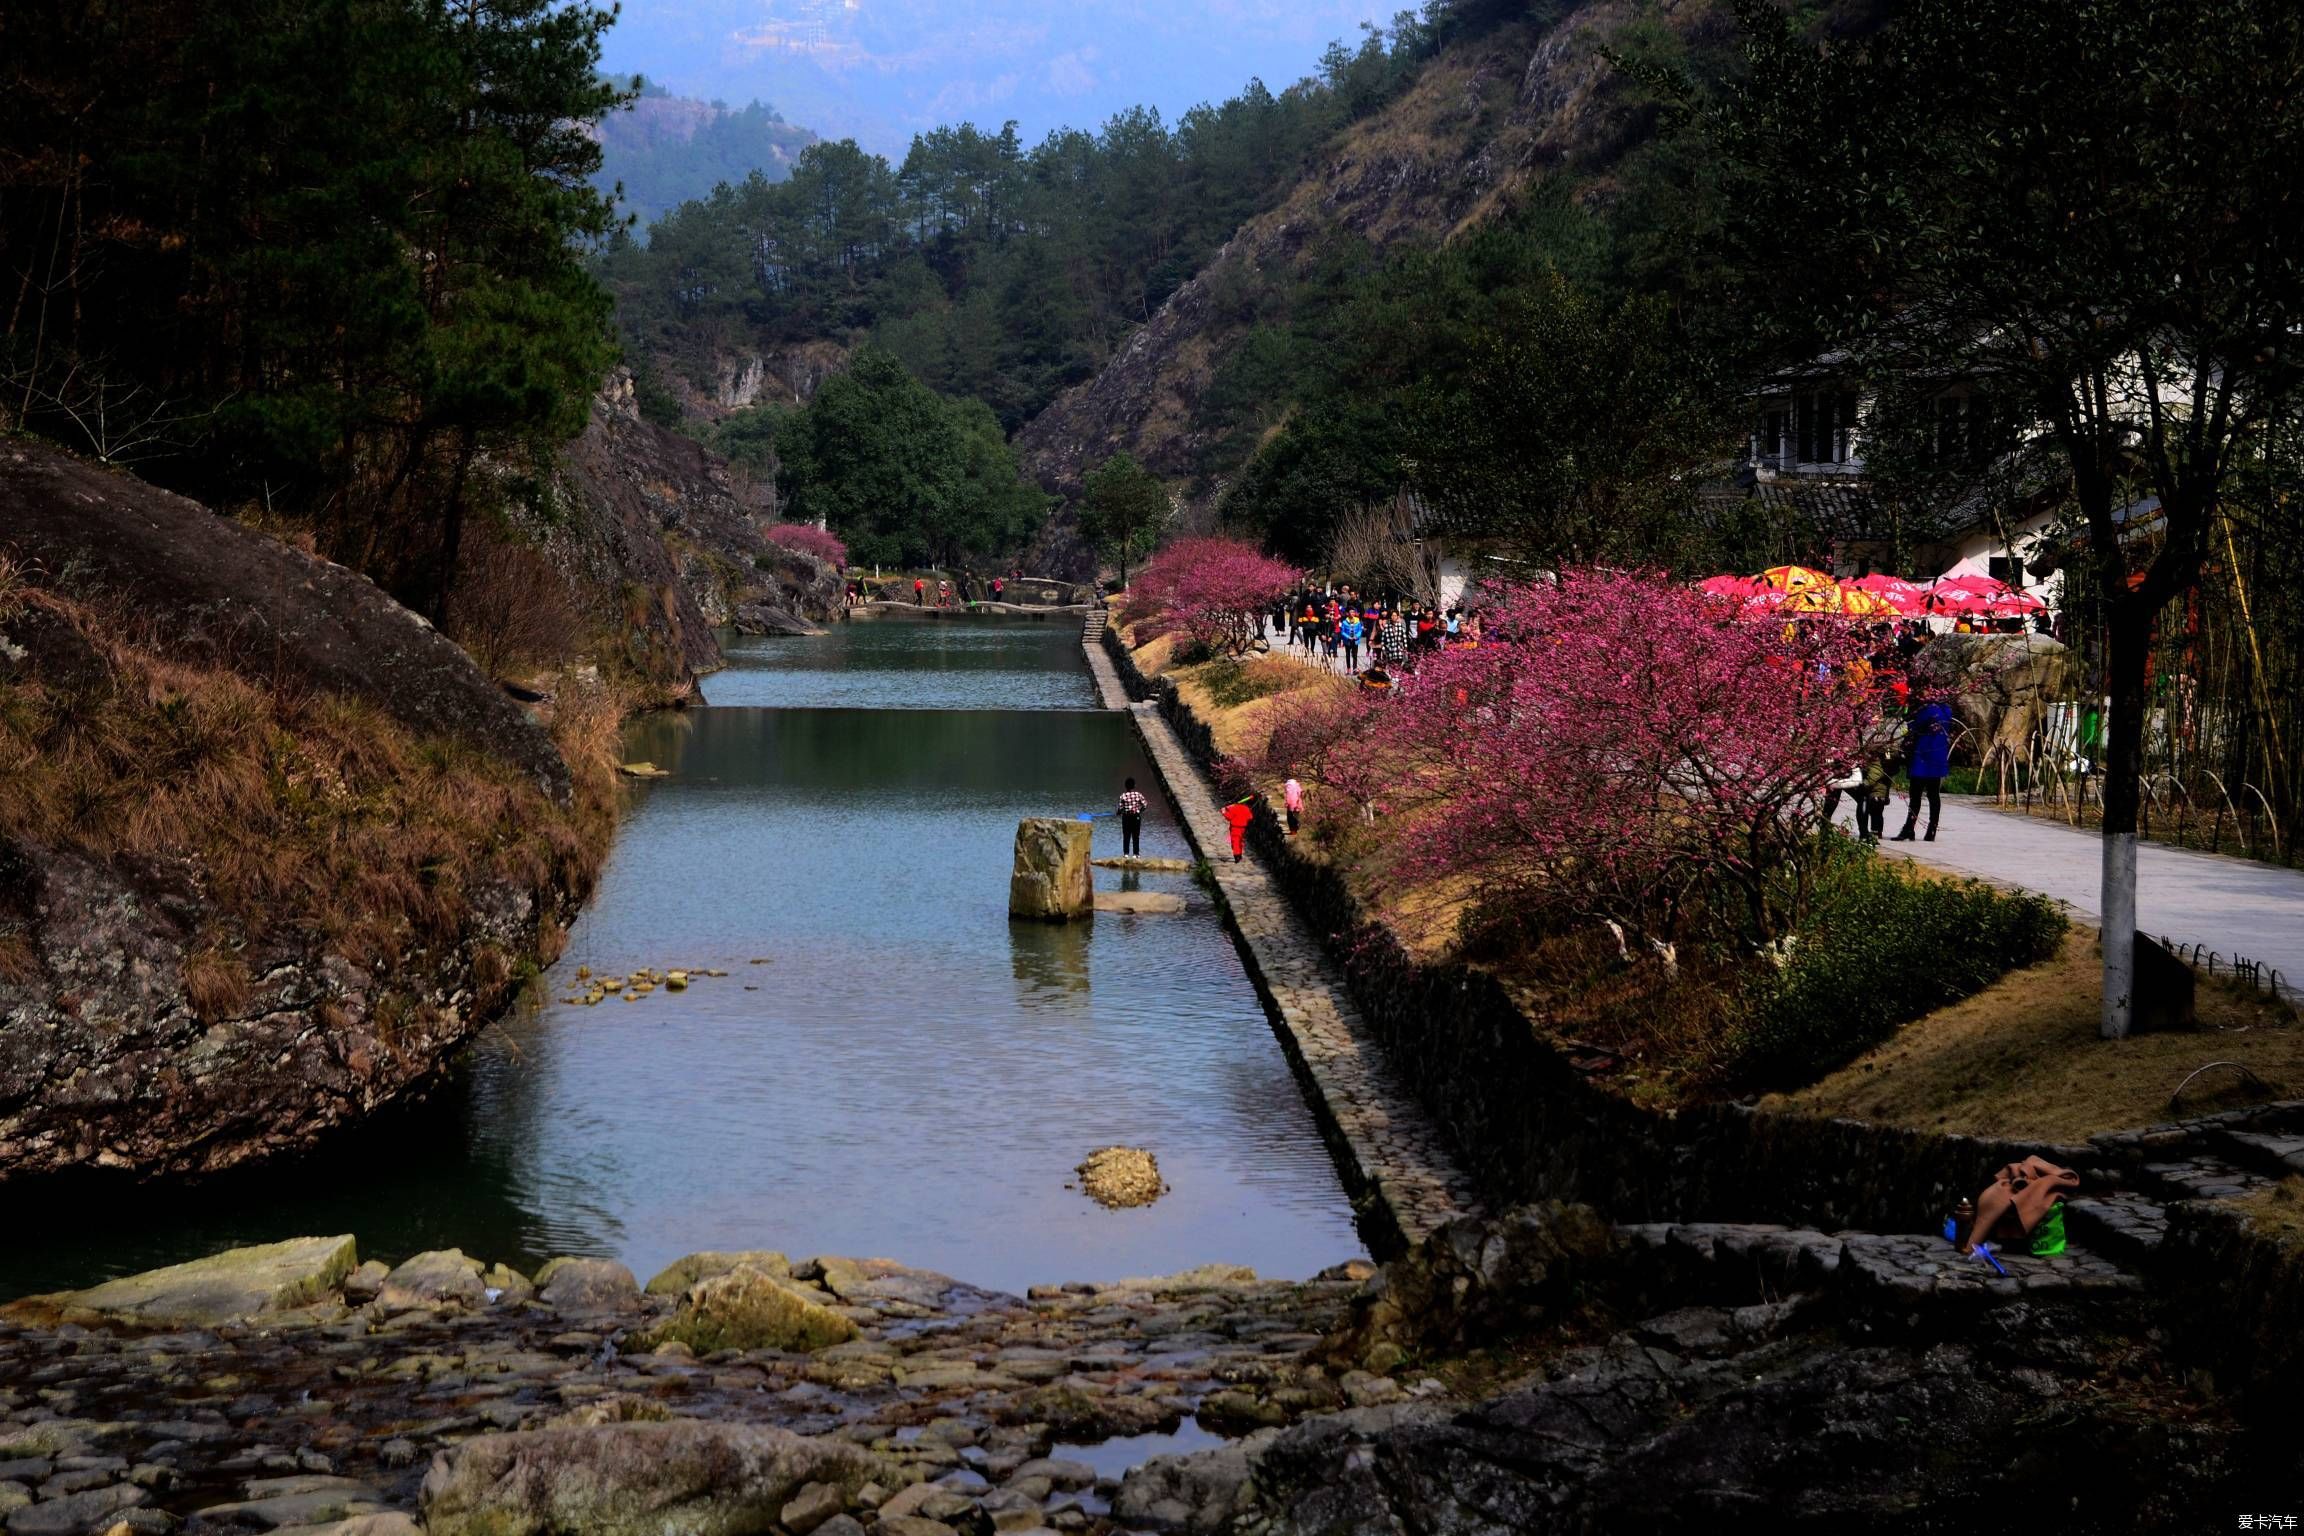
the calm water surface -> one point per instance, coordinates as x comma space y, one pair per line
891, 1067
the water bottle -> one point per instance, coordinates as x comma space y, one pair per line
1956, 1225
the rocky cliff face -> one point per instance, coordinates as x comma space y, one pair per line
270, 848
750, 376
1484, 123
658, 535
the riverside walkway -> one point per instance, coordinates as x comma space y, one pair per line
2233, 906
1397, 1158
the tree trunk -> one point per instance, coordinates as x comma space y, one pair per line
2129, 645
451, 536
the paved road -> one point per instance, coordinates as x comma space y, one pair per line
2231, 905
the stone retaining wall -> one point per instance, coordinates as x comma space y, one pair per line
1526, 1125
1394, 1157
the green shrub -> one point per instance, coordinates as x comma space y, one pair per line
1189, 652
1881, 947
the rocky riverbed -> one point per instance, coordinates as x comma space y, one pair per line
1541, 1371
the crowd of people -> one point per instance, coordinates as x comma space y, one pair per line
1379, 641
1337, 628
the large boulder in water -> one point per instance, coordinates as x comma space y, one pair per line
635, 1479
1051, 881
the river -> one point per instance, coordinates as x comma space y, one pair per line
890, 1067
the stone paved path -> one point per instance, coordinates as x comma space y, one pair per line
1109, 690
1398, 1155
2231, 905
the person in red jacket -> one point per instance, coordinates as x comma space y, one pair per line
1237, 816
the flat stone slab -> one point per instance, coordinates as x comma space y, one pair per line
284, 1503
1149, 866
1139, 901
1912, 1267
224, 1287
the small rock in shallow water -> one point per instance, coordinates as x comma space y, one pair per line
1121, 1176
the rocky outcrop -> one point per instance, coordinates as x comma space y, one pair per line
675, 1278
1815, 1434
1476, 1278
1118, 1177
209, 591
1690, 1376
787, 375
270, 847
655, 529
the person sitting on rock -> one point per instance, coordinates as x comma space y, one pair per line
2023, 1206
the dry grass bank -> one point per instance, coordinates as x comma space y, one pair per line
248, 806
2023, 1059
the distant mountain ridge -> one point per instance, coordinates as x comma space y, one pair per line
1485, 123
665, 150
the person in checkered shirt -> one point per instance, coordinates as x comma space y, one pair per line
1131, 820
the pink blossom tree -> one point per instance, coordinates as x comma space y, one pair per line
1333, 737
1209, 589
808, 539
1629, 753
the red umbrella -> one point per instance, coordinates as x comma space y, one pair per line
1909, 598
1958, 597
1751, 594
1981, 595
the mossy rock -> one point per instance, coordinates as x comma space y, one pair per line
224, 1287
745, 1309
675, 1278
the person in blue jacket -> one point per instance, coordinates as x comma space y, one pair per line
1928, 747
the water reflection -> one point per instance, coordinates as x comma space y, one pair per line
1050, 964
898, 664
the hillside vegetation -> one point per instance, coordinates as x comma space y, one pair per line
663, 150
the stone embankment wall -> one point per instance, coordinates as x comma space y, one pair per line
1526, 1125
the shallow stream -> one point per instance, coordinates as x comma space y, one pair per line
890, 1067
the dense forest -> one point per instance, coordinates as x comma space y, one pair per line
993, 269
320, 260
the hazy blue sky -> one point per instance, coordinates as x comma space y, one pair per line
881, 70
